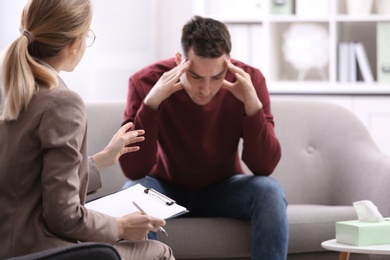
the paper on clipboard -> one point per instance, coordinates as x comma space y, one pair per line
120, 203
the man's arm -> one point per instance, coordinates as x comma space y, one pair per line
261, 151
261, 148
138, 165
144, 100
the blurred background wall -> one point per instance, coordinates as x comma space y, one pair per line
130, 34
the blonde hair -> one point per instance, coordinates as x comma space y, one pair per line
47, 27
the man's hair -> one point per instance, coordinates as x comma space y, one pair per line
207, 37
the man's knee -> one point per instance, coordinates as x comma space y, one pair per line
268, 188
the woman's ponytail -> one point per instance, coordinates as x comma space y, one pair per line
21, 73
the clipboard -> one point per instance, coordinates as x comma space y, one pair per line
152, 201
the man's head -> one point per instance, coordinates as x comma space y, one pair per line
206, 43
207, 37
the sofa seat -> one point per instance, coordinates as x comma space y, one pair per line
309, 225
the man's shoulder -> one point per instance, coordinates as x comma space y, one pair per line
253, 71
244, 65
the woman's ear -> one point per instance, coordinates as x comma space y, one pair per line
74, 46
178, 58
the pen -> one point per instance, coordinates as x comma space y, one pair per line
143, 212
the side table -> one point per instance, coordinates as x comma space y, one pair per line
345, 249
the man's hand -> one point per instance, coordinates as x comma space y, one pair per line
243, 89
166, 86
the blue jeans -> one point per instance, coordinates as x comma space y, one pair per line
259, 199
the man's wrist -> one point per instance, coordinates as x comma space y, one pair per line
251, 108
151, 104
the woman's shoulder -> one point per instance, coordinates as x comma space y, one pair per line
59, 102
59, 96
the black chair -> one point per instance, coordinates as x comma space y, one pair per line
81, 251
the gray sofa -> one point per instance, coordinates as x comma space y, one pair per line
328, 161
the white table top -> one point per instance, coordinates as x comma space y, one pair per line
374, 249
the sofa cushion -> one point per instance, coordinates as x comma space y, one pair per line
208, 238
310, 225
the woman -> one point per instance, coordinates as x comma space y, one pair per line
44, 168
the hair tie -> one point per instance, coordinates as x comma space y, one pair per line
29, 35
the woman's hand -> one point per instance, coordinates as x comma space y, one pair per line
119, 145
136, 226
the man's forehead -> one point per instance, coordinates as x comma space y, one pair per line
201, 74
207, 66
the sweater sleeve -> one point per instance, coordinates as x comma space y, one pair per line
261, 148
138, 165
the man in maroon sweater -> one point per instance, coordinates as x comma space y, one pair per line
194, 109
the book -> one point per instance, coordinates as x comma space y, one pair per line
352, 63
347, 66
239, 34
363, 64
383, 51
247, 44
152, 202
257, 46
343, 61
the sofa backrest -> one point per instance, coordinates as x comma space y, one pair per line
104, 119
328, 155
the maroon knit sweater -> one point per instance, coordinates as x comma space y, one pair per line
192, 146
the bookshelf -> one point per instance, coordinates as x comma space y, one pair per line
259, 37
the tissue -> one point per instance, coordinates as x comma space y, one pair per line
367, 211
370, 228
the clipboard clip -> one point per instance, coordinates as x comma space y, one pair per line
168, 201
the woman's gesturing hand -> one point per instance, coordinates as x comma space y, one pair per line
119, 144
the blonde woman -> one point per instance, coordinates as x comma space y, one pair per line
45, 172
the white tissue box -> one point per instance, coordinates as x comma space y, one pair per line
357, 233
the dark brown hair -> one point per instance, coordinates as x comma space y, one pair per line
207, 37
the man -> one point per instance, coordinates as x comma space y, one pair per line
194, 109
